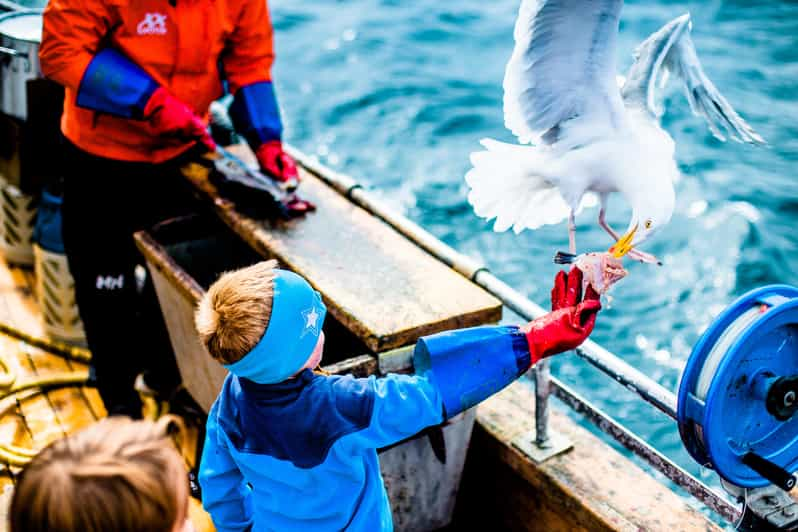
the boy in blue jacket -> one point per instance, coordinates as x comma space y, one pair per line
290, 449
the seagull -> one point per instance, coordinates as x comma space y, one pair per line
590, 130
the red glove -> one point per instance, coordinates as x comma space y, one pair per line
569, 323
171, 117
277, 163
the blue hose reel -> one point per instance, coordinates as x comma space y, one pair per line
738, 395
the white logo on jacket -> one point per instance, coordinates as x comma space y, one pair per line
109, 282
153, 24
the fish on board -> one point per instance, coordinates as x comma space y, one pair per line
600, 270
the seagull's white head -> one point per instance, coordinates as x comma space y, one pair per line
652, 203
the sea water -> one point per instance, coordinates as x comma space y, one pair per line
398, 93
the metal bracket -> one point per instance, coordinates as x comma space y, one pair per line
769, 508
555, 444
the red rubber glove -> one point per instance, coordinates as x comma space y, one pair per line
277, 163
172, 118
569, 323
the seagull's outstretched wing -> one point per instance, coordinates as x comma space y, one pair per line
671, 50
562, 67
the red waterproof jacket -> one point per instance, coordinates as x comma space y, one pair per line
181, 46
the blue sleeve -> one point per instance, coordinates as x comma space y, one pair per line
225, 493
116, 85
403, 405
469, 365
255, 114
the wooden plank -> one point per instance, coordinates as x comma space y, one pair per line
31, 323
56, 413
591, 487
41, 412
378, 284
17, 310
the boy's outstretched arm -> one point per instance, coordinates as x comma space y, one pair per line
467, 366
225, 494
456, 370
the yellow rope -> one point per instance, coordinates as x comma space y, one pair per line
54, 347
12, 394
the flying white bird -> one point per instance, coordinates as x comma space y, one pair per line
562, 95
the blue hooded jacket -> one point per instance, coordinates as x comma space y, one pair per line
302, 454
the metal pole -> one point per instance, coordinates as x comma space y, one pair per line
650, 390
542, 392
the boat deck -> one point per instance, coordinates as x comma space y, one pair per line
36, 421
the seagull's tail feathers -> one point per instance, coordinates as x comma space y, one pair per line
506, 184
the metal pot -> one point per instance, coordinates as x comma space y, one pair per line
20, 37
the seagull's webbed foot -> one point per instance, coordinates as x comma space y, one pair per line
642, 256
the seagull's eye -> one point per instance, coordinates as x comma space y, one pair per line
649, 223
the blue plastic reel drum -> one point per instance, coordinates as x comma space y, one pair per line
732, 398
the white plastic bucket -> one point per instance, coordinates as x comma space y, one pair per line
17, 219
55, 293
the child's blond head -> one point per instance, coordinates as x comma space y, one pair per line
117, 474
233, 315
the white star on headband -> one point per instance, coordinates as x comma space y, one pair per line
311, 320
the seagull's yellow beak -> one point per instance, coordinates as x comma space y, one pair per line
624, 244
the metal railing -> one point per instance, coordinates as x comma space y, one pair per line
629, 377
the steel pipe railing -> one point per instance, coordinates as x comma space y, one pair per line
648, 389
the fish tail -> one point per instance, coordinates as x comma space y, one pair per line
564, 258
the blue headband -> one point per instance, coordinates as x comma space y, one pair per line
293, 331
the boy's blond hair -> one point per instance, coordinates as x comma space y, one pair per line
117, 474
233, 315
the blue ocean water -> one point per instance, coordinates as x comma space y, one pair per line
398, 93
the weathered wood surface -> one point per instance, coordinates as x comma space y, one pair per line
378, 284
589, 488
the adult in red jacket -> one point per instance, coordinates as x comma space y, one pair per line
140, 76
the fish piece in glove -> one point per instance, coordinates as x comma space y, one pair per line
600, 270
